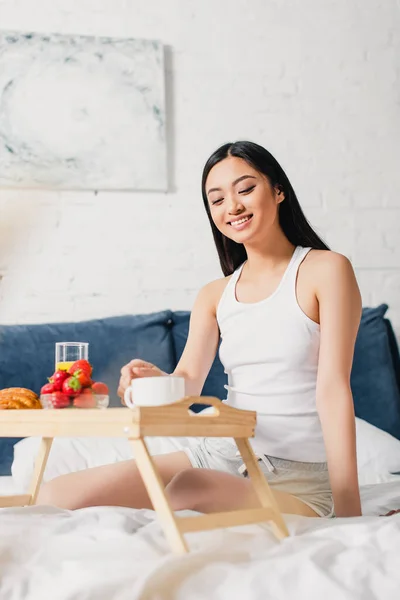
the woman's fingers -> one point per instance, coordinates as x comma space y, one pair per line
136, 368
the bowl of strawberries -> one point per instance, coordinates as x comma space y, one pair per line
74, 388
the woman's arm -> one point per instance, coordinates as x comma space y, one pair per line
200, 348
203, 338
340, 312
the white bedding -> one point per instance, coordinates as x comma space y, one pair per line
8, 486
116, 553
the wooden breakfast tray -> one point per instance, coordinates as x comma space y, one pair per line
137, 423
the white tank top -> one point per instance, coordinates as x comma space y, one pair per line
269, 350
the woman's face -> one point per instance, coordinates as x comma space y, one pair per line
243, 204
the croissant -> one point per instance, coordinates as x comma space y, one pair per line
18, 398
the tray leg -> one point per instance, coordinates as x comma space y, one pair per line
40, 465
261, 487
156, 491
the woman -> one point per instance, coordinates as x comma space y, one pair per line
287, 311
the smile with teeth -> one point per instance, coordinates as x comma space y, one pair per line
240, 222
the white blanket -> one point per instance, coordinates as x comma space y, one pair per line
118, 553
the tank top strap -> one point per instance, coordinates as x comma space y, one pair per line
291, 275
236, 273
228, 295
231, 286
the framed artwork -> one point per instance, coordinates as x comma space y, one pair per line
81, 112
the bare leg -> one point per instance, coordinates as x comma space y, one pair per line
119, 484
214, 491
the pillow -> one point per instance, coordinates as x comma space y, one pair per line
68, 455
378, 454
27, 353
6, 454
374, 382
394, 350
217, 378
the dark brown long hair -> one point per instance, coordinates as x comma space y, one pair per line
291, 218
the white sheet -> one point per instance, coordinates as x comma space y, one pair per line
120, 554
8, 486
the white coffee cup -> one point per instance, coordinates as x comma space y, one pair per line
154, 391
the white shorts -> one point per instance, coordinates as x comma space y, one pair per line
309, 482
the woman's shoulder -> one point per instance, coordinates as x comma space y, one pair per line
214, 289
328, 267
327, 259
211, 293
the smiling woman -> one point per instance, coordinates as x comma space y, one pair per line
287, 313
261, 180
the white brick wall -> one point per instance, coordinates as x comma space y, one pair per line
316, 82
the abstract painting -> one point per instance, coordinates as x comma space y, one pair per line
81, 112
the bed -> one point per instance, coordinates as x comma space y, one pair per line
121, 553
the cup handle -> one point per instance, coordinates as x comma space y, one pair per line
128, 398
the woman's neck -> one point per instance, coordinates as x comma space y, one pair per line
270, 255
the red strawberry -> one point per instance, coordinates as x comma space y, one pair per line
83, 378
85, 401
87, 392
81, 365
58, 379
48, 388
100, 388
59, 400
71, 386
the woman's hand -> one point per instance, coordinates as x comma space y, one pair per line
134, 369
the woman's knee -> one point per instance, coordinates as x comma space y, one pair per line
58, 492
49, 494
185, 490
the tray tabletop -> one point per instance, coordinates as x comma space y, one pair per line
168, 420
